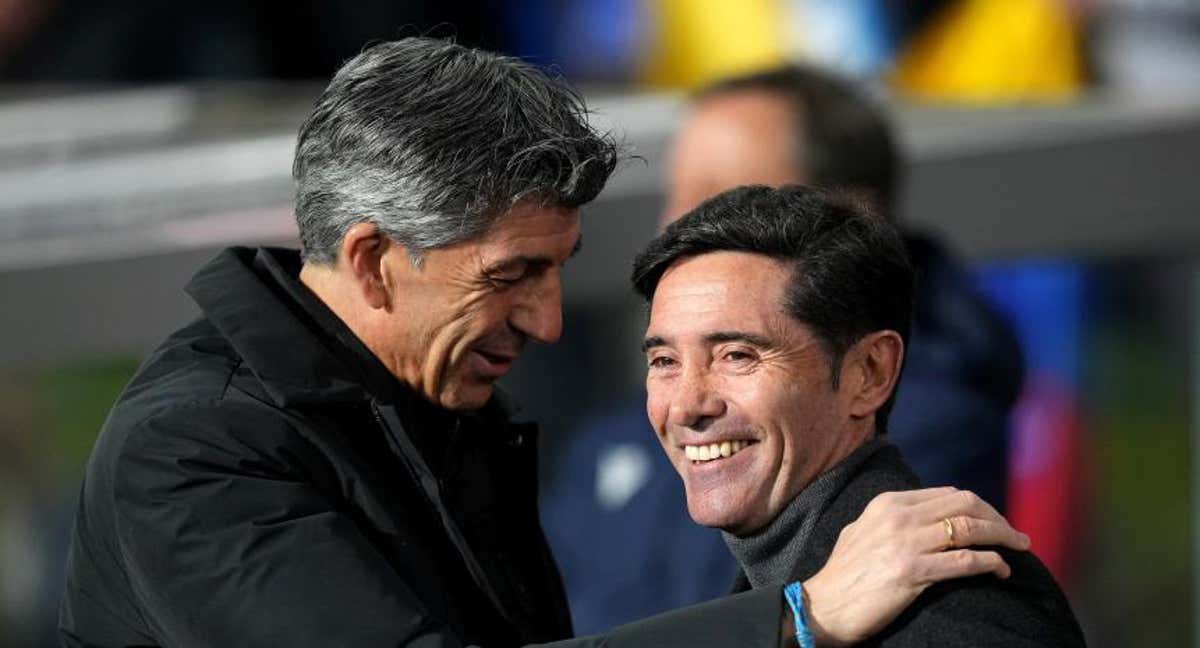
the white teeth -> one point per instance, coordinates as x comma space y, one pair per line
714, 450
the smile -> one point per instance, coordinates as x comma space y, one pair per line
714, 451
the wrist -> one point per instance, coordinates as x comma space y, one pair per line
820, 624
793, 593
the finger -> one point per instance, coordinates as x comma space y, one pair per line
937, 567
956, 504
970, 531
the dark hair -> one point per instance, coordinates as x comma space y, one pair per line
851, 273
846, 142
431, 141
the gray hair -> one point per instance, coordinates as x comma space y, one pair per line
432, 141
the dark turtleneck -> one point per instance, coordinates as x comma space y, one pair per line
767, 555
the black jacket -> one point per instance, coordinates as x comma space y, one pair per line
263, 481
1026, 610
255, 484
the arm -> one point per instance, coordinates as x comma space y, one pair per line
895, 550
754, 618
227, 545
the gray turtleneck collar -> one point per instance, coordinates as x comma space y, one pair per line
768, 555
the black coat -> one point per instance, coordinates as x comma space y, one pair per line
248, 488
263, 482
1026, 610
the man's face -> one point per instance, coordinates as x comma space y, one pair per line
739, 392
468, 311
729, 141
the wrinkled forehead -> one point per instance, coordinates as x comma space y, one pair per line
716, 291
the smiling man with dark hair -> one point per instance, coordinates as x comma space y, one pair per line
778, 325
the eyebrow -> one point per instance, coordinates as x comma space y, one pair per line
716, 337
753, 339
652, 342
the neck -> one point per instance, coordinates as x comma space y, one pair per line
338, 295
769, 555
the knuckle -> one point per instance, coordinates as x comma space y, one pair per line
845, 533
966, 527
985, 561
895, 522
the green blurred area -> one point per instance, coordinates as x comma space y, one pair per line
48, 422
1138, 573
50, 417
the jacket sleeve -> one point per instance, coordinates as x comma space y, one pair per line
752, 619
1025, 611
225, 544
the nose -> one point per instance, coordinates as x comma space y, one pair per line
539, 313
694, 403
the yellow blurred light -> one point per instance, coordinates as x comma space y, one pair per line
695, 42
995, 51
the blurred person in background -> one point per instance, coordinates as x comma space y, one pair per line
322, 459
779, 319
615, 497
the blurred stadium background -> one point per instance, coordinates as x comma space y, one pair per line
1056, 144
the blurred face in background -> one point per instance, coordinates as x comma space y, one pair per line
730, 140
739, 392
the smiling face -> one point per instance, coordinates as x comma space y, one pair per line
739, 392
455, 325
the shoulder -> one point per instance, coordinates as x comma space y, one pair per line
1027, 609
183, 442
193, 388
191, 402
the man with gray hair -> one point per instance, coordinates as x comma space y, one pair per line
321, 457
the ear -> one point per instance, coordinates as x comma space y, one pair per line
362, 257
874, 370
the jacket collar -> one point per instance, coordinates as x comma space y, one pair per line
276, 339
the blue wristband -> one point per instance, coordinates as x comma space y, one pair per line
795, 598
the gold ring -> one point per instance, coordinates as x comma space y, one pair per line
949, 530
